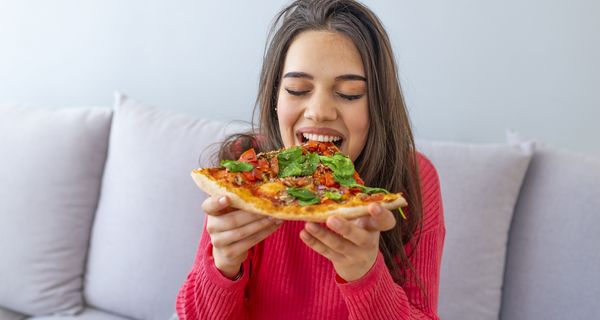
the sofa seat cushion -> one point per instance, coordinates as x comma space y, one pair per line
480, 184
553, 260
51, 168
149, 218
87, 314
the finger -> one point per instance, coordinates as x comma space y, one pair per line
227, 237
249, 242
319, 246
216, 206
352, 232
363, 222
233, 220
382, 219
332, 240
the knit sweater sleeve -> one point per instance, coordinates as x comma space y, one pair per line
377, 296
206, 293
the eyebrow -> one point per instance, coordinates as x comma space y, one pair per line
294, 74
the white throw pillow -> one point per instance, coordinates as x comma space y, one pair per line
51, 167
149, 218
480, 184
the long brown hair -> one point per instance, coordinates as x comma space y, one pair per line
388, 159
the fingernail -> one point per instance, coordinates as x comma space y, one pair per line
223, 200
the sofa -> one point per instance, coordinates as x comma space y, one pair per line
100, 220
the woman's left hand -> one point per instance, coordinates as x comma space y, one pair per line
353, 245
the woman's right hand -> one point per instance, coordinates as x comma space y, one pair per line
233, 232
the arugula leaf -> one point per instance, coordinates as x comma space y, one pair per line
237, 166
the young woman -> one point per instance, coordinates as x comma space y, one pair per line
328, 74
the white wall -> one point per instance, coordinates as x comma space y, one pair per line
470, 69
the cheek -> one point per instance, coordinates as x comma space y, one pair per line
358, 125
287, 116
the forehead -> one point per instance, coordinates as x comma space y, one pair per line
323, 54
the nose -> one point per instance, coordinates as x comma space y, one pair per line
320, 108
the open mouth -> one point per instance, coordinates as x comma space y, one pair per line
305, 137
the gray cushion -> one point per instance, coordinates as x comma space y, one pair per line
6, 314
553, 261
87, 314
149, 218
50, 173
480, 185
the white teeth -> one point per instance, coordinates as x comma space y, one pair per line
320, 138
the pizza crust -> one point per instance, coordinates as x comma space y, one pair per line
261, 206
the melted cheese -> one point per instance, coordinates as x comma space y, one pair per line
271, 188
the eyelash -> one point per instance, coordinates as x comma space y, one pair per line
347, 97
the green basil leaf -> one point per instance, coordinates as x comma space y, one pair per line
344, 180
339, 163
342, 167
288, 156
237, 166
291, 170
301, 193
343, 172
333, 196
311, 161
292, 163
309, 202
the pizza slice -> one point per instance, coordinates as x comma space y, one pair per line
309, 182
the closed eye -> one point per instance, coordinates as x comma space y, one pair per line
296, 93
350, 98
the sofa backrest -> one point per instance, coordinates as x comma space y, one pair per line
553, 258
149, 218
480, 184
51, 164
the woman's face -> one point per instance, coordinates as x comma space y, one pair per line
323, 93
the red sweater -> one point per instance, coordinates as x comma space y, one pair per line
285, 279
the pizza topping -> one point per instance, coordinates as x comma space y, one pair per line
370, 190
342, 167
238, 180
292, 162
249, 156
311, 174
271, 188
236, 166
333, 195
253, 175
274, 165
305, 197
323, 148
